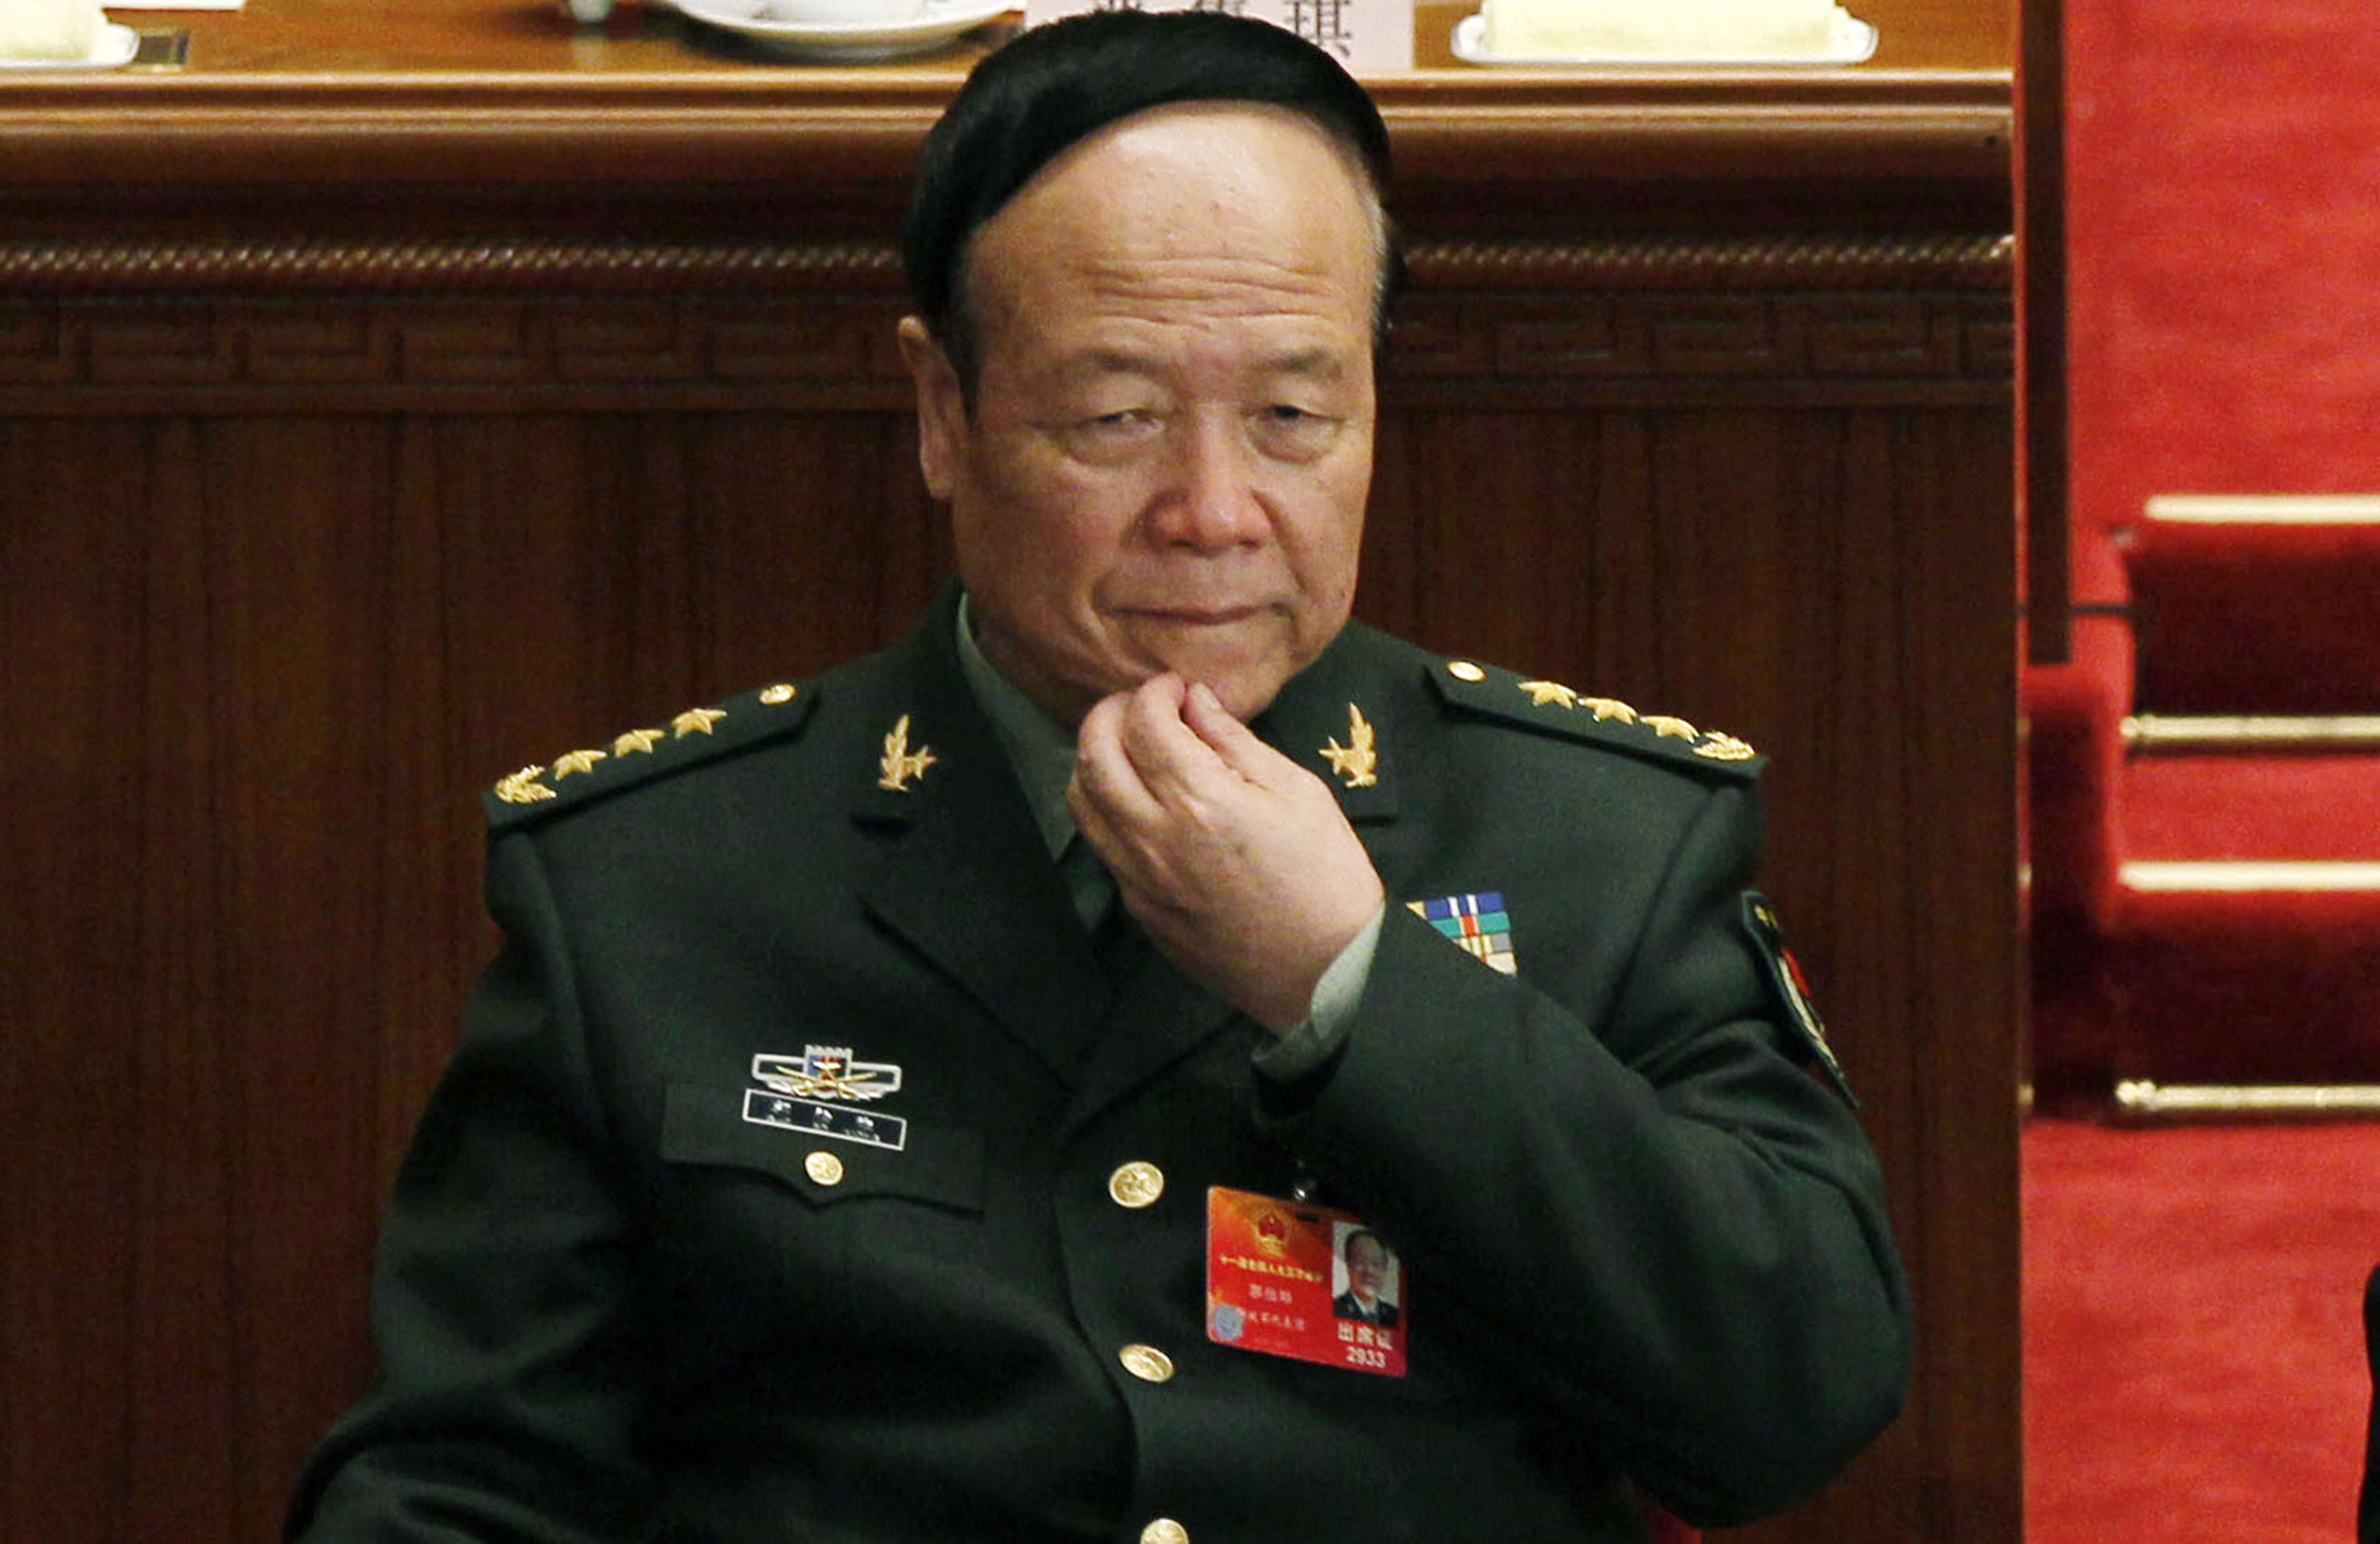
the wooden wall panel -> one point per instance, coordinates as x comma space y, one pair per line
72, 782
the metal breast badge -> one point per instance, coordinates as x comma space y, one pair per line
820, 1091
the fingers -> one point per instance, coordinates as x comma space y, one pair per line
1108, 777
1169, 745
1137, 748
1171, 762
1234, 742
1104, 789
1205, 827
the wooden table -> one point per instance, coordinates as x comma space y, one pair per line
404, 390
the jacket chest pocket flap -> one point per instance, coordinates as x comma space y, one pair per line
943, 1166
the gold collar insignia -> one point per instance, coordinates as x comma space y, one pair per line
1358, 762
900, 764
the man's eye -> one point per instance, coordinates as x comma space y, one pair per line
1296, 417
1109, 437
1294, 432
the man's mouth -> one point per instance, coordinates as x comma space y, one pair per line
1196, 616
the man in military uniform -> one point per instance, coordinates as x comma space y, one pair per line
918, 1103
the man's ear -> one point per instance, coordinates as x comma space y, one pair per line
941, 408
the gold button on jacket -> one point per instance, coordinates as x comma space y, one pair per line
1136, 1185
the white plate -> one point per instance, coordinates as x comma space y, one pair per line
1853, 42
113, 51
942, 21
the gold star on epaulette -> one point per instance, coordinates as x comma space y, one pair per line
1359, 761
638, 741
900, 764
523, 787
1542, 692
1670, 728
1724, 748
694, 721
1608, 708
576, 761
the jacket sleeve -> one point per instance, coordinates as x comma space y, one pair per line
503, 1294
1629, 1199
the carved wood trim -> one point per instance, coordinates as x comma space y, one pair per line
137, 355
536, 266
547, 266
114, 328
1491, 350
1957, 261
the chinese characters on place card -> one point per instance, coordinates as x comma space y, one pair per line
1370, 37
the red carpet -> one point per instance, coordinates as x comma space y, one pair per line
2193, 1342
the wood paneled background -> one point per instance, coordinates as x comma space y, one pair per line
307, 531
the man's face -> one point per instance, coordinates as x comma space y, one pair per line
1170, 447
1368, 1267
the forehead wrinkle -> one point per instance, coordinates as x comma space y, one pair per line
1240, 283
1169, 290
1109, 360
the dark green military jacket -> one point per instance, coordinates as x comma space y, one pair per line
769, 1196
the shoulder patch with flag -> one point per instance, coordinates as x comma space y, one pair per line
1477, 922
1784, 973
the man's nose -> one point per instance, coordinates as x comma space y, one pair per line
1211, 503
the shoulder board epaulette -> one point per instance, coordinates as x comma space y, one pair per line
694, 737
1606, 721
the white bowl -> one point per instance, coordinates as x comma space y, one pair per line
843, 13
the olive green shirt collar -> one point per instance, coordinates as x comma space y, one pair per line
1041, 753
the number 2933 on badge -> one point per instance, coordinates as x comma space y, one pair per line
1284, 1279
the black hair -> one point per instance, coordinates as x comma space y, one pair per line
1054, 85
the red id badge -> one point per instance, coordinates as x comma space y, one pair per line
1289, 1280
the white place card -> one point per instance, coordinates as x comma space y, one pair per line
1370, 37
176, 5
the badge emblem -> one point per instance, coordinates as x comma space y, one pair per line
1724, 748
1608, 708
827, 1072
523, 787
1784, 973
900, 764
1359, 761
1670, 728
1479, 923
576, 763
816, 1092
